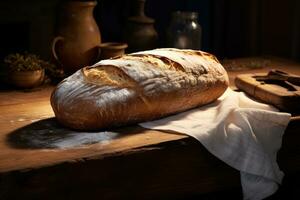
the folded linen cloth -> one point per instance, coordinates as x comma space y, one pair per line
241, 132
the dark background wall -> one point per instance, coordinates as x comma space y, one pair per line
231, 28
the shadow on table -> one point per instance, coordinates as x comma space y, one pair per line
48, 133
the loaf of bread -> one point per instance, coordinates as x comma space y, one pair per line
138, 87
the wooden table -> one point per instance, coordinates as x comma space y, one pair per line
41, 160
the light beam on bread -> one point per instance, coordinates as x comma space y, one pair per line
138, 87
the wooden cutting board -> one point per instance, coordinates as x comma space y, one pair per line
280, 94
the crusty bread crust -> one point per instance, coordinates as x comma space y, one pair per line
138, 87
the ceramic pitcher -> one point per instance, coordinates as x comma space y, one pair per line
78, 36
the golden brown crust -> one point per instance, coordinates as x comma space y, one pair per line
138, 87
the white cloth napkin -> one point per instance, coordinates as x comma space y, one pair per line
241, 132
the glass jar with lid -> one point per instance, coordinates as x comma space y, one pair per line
184, 32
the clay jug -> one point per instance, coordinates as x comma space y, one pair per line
78, 36
140, 33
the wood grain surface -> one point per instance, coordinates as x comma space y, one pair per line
39, 159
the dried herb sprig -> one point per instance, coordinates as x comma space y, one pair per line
23, 62
31, 62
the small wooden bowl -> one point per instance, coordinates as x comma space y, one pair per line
27, 79
112, 49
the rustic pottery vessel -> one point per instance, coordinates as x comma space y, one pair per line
112, 49
78, 36
26, 79
140, 33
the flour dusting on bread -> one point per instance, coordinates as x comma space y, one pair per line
138, 87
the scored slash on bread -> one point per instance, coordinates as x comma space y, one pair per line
138, 87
